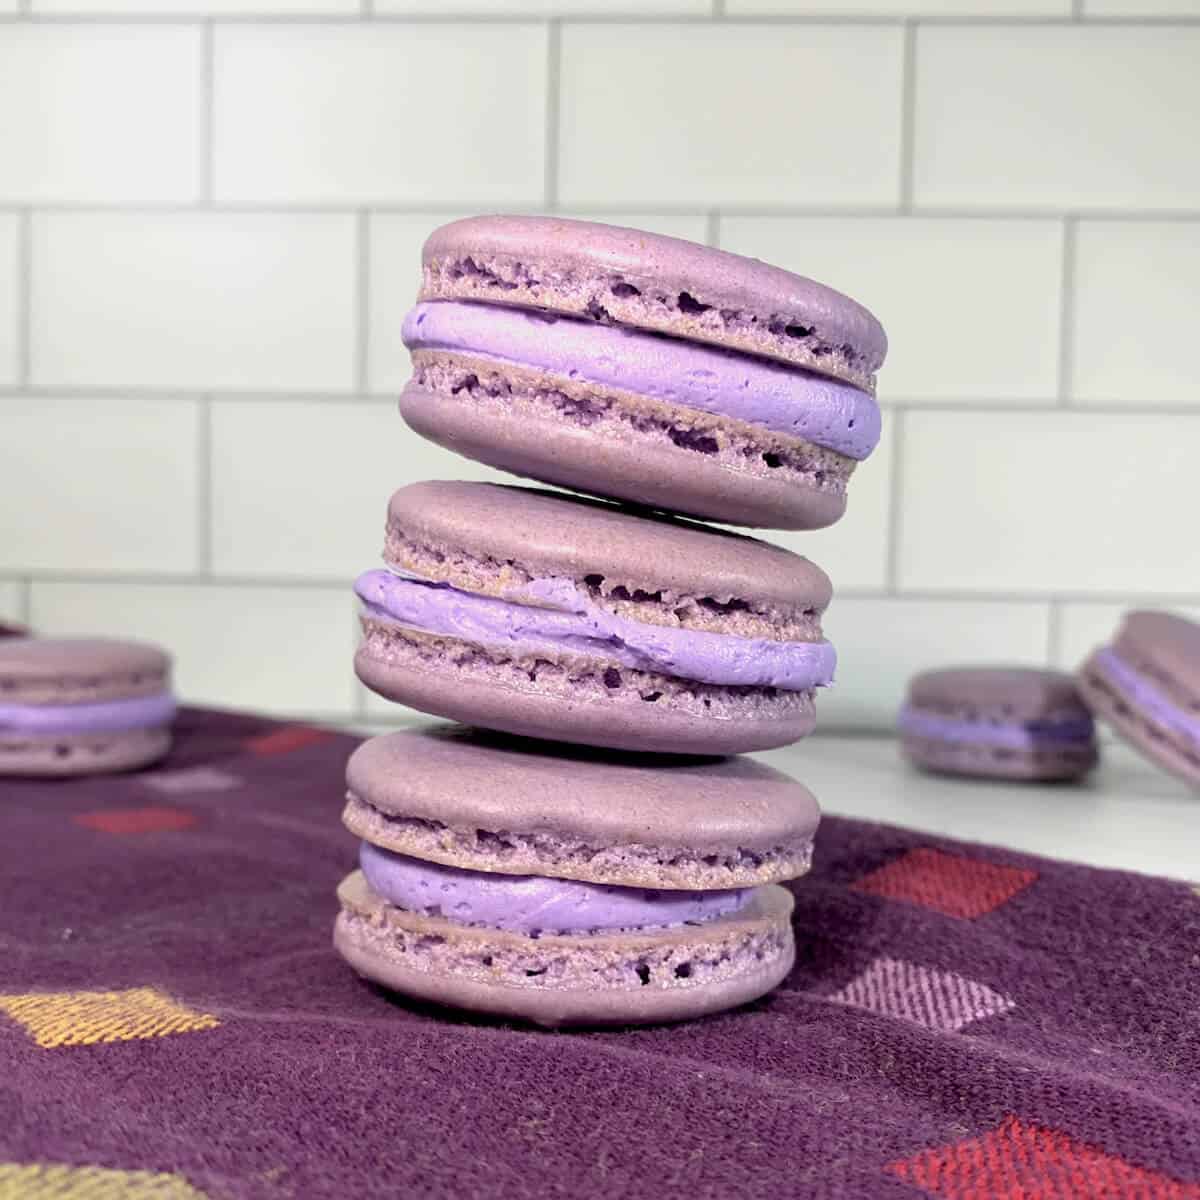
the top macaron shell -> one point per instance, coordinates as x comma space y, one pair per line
1169, 645
79, 670
657, 283
1017, 693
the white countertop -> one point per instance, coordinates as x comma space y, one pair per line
1126, 814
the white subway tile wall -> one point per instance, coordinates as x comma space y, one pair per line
210, 220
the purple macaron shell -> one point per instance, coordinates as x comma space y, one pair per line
783, 399
578, 626
533, 904
104, 717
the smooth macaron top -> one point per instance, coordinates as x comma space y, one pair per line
547, 535
654, 282
66, 670
473, 780
1167, 643
1018, 693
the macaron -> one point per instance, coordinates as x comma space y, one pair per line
565, 886
998, 722
1146, 685
552, 616
82, 706
644, 368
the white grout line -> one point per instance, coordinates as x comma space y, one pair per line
908, 115
24, 331
362, 299
204, 492
892, 549
553, 113
207, 99
1066, 311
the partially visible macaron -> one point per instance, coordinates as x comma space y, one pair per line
643, 367
1146, 685
82, 706
551, 616
998, 722
566, 886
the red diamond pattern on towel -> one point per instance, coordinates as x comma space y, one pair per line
287, 739
939, 1000
1029, 1162
947, 883
137, 820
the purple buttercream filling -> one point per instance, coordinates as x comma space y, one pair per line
110, 716
783, 399
578, 625
1149, 699
534, 904
1016, 735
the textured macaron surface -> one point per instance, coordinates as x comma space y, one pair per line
625, 276
57, 671
487, 802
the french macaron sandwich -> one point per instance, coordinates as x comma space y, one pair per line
82, 706
998, 722
553, 616
643, 368
1146, 685
563, 886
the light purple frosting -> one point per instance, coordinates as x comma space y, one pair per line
1017, 735
780, 398
1149, 699
534, 904
109, 716
574, 623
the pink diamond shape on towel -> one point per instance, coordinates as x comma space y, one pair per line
191, 779
938, 1000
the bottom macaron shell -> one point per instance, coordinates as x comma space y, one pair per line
81, 754
452, 678
992, 762
1105, 699
731, 479
636, 977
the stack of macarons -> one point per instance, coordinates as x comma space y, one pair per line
586, 852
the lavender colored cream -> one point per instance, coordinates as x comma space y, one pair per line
110, 716
1148, 698
533, 904
783, 399
574, 623
1024, 735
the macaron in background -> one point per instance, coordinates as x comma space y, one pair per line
1146, 685
999, 723
643, 367
567, 886
82, 706
556, 617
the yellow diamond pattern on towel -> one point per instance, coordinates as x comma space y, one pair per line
56, 1019
55, 1181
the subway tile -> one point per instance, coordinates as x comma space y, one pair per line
943, 289
853, 553
1086, 625
1141, 8
284, 650
12, 601
882, 642
186, 8
362, 113
300, 488
547, 8
194, 300
9, 301
1049, 502
1137, 295
897, 8
395, 275
735, 114
112, 485
1104, 117
99, 114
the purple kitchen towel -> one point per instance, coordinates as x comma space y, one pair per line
963, 1021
